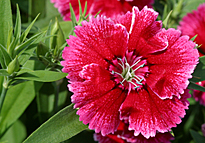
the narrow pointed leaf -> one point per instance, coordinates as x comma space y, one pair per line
27, 43
41, 75
6, 20
195, 86
193, 38
2, 62
58, 128
165, 21
27, 52
25, 33
5, 55
17, 29
48, 33
80, 8
12, 47
3, 72
85, 9
73, 17
10, 37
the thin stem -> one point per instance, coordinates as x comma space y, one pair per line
3, 93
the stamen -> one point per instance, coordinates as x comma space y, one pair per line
113, 72
138, 78
134, 85
122, 65
139, 67
122, 82
128, 72
138, 82
125, 60
135, 63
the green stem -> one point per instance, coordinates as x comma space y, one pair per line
3, 93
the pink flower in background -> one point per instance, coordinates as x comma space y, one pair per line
123, 135
194, 23
203, 129
109, 8
129, 69
200, 95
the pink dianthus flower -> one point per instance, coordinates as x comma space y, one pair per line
194, 24
109, 8
123, 135
129, 69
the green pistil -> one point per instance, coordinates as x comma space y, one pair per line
128, 74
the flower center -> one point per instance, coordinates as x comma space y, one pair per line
130, 71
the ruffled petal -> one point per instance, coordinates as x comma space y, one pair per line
78, 55
98, 99
148, 114
125, 20
171, 69
97, 41
103, 36
143, 30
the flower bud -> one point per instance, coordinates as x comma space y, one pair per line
13, 66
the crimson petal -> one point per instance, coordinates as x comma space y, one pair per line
143, 32
97, 99
171, 69
147, 113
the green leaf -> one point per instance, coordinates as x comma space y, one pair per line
73, 17
198, 74
16, 134
195, 86
193, 38
26, 54
3, 72
80, 8
197, 137
40, 75
85, 9
47, 41
58, 128
17, 99
17, 29
25, 33
12, 47
165, 21
27, 42
6, 59
6, 21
